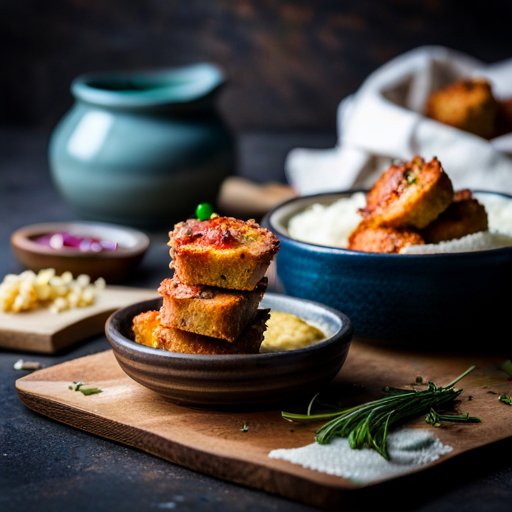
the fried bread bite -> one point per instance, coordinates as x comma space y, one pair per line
222, 251
464, 216
145, 327
176, 340
468, 105
210, 311
382, 239
409, 195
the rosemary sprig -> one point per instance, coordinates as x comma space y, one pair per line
435, 419
505, 399
367, 425
77, 386
90, 391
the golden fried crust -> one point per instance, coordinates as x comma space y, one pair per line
382, 239
207, 310
463, 217
223, 252
249, 342
148, 331
144, 325
409, 195
468, 105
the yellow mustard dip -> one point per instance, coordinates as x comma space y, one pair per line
288, 332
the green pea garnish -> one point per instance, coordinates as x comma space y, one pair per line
204, 211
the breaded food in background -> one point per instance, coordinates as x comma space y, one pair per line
464, 216
207, 310
504, 122
382, 239
468, 105
409, 195
176, 340
222, 251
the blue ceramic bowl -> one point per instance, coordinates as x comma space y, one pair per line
440, 300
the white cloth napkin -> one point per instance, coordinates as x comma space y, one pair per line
385, 120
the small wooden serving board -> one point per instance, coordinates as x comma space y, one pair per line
40, 330
216, 443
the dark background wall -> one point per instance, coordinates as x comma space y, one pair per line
290, 61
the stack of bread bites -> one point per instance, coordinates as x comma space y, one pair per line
210, 306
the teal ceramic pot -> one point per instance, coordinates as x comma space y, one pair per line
142, 148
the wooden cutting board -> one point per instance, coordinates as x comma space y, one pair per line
213, 442
40, 330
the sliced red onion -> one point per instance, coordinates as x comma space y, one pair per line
86, 244
56, 241
44, 240
70, 240
108, 245
95, 246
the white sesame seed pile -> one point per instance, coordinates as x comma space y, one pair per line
409, 449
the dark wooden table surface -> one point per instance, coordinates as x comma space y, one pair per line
48, 466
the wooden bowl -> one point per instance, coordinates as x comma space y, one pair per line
235, 381
113, 266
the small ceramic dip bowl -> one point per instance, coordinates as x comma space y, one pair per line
236, 381
113, 265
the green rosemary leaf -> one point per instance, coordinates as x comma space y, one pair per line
77, 386
469, 370
410, 178
505, 399
311, 404
432, 418
435, 419
368, 424
89, 391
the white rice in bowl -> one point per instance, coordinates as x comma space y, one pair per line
328, 225
331, 226
499, 212
482, 241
